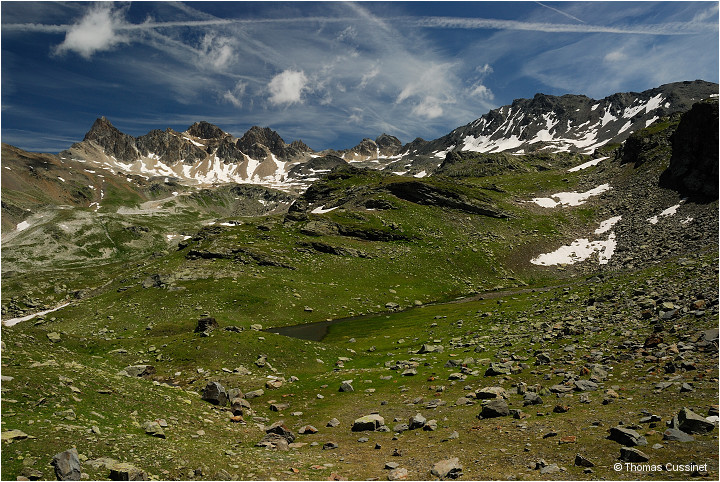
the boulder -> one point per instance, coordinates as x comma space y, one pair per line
279, 428
581, 461
240, 406
498, 369
346, 386
139, 370
448, 468
532, 398
629, 454
368, 423
416, 421
495, 408
585, 385
215, 394
125, 471
627, 436
426, 348
690, 422
676, 435
206, 325
154, 429
67, 465
490, 393
400, 473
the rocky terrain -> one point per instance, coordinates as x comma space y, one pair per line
536, 316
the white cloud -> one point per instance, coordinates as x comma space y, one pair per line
288, 87
235, 96
480, 91
615, 56
368, 76
217, 52
429, 108
97, 31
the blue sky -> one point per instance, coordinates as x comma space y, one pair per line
329, 73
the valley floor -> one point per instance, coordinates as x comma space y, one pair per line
626, 351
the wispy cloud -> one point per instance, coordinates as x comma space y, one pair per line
560, 12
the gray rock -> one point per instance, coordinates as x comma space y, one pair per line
581, 461
346, 386
550, 469
430, 426
391, 465
585, 385
676, 435
627, 436
448, 468
401, 427
330, 445
495, 408
279, 428
215, 394
154, 429
139, 370
400, 473
629, 454
532, 398
488, 393
240, 406
426, 348
334, 422
125, 471
206, 325
409, 372
254, 393
67, 465
498, 369
55, 338
368, 423
307, 430
416, 421
690, 422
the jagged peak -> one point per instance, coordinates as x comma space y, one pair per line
206, 130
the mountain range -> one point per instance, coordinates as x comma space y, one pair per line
204, 154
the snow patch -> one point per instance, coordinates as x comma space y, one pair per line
322, 210
582, 249
579, 250
607, 225
22, 226
570, 198
15, 321
668, 212
585, 165
63, 180
420, 174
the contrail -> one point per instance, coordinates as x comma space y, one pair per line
560, 12
673, 28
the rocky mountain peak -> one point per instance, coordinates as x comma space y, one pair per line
261, 135
114, 142
385, 141
206, 130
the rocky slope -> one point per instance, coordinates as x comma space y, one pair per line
574, 123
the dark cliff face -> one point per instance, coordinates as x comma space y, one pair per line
206, 130
113, 142
169, 146
693, 169
260, 142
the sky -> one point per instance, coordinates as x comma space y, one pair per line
328, 73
